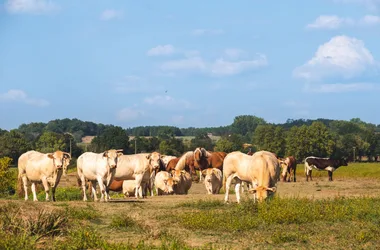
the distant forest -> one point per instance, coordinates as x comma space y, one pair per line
321, 137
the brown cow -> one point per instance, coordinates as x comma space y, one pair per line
289, 165
206, 159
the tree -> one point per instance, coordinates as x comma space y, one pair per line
201, 140
13, 144
270, 138
246, 124
50, 142
113, 137
171, 146
6, 177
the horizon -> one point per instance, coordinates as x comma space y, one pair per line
183, 64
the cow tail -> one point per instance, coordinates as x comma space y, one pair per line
20, 186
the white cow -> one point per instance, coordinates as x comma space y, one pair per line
213, 180
183, 181
138, 167
98, 168
164, 183
262, 169
129, 188
37, 167
166, 158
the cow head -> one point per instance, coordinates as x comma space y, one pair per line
154, 160
60, 159
177, 175
261, 193
169, 183
284, 165
208, 174
112, 156
343, 162
66, 162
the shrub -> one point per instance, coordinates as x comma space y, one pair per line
8, 177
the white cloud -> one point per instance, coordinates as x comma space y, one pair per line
341, 87
16, 95
160, 50
335, 22
223, 67
129, 114
110, 14
329, 22
218, 67
233, 53
342, 56
187, 64
30, 6
166, 101
211, 32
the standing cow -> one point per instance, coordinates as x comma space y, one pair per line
262, 169
213, 180
37, 167
204, 159
318, 163
138, 167
98, 168
289, 166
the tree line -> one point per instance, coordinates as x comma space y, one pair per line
300, 138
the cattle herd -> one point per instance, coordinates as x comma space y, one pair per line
139, 174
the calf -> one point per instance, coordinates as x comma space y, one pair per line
327, 164
182, 180
213, 180
164, 183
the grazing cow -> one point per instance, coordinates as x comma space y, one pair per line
182, 181
37, 167
98, 168
138, 167
327, 164
261, 169
204, 159
289, 165
213, 180
164, 183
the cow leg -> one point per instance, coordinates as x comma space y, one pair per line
25, 184
103, 196
237, 190
93, 190
138, 191
83, 183
228, 184
308, 174
53, 192
33, 187
46, 187
330, 175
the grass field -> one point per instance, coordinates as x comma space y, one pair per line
343, 214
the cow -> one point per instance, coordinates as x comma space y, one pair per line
184, 162
289, 166
129, 188
262, 170
166, 159
318, 163
164, 183
183, 181
138, 167
213, 180
204, 159
42, 168
98, 168
171, 164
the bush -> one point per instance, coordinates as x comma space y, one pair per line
8, 177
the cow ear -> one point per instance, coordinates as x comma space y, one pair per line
273, 189
105, 154
66, 155
183, 172
119, 154
252, 190
51, 156
148, 156
166, 182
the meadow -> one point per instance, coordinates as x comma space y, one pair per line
343, 214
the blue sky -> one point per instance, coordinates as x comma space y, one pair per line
188, 63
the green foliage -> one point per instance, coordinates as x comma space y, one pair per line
82, 213
125, 222
244, 124
201, 140
270, 138
50, 142
113, 137
171, 146
13, 144
7, 177
230, 143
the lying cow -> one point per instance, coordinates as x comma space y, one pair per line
289, 165
183, 181
213, 180
37, 167
129, 188
164, 183
327, 164
262, 170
